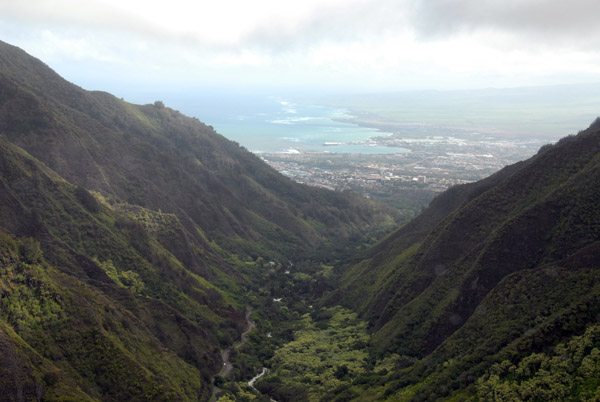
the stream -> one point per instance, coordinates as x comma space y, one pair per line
256, 377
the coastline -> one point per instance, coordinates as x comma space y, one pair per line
379, 124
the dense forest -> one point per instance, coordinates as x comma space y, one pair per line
133, 239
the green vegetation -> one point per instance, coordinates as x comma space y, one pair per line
570, 372
324, 356
82, 352
491, 271
317, 356
509, 295
132, 237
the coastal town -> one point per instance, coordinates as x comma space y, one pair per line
421, 168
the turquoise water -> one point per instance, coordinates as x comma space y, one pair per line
276, 125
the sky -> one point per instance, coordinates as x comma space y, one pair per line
356, 45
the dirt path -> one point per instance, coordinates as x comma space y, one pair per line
227, 367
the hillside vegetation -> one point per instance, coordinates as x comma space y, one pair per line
492, 271
132, 238
127, 236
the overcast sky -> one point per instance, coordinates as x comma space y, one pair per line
328, 44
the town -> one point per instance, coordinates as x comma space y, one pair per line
411, 177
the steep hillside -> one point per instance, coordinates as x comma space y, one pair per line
507, 268
90, 303
154, 157
127, 234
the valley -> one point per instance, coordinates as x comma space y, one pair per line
144, 256
331, 354
128, 236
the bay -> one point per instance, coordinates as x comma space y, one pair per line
271, 124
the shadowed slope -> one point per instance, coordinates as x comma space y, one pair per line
496, 275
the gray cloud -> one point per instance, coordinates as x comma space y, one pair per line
83, 14
546, 20
92, 18
343, 23
561, 23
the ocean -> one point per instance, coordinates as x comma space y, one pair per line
270, 124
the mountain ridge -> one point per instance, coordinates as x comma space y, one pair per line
131, 237
134, 230
430, 288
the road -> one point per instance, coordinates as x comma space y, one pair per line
227, 367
